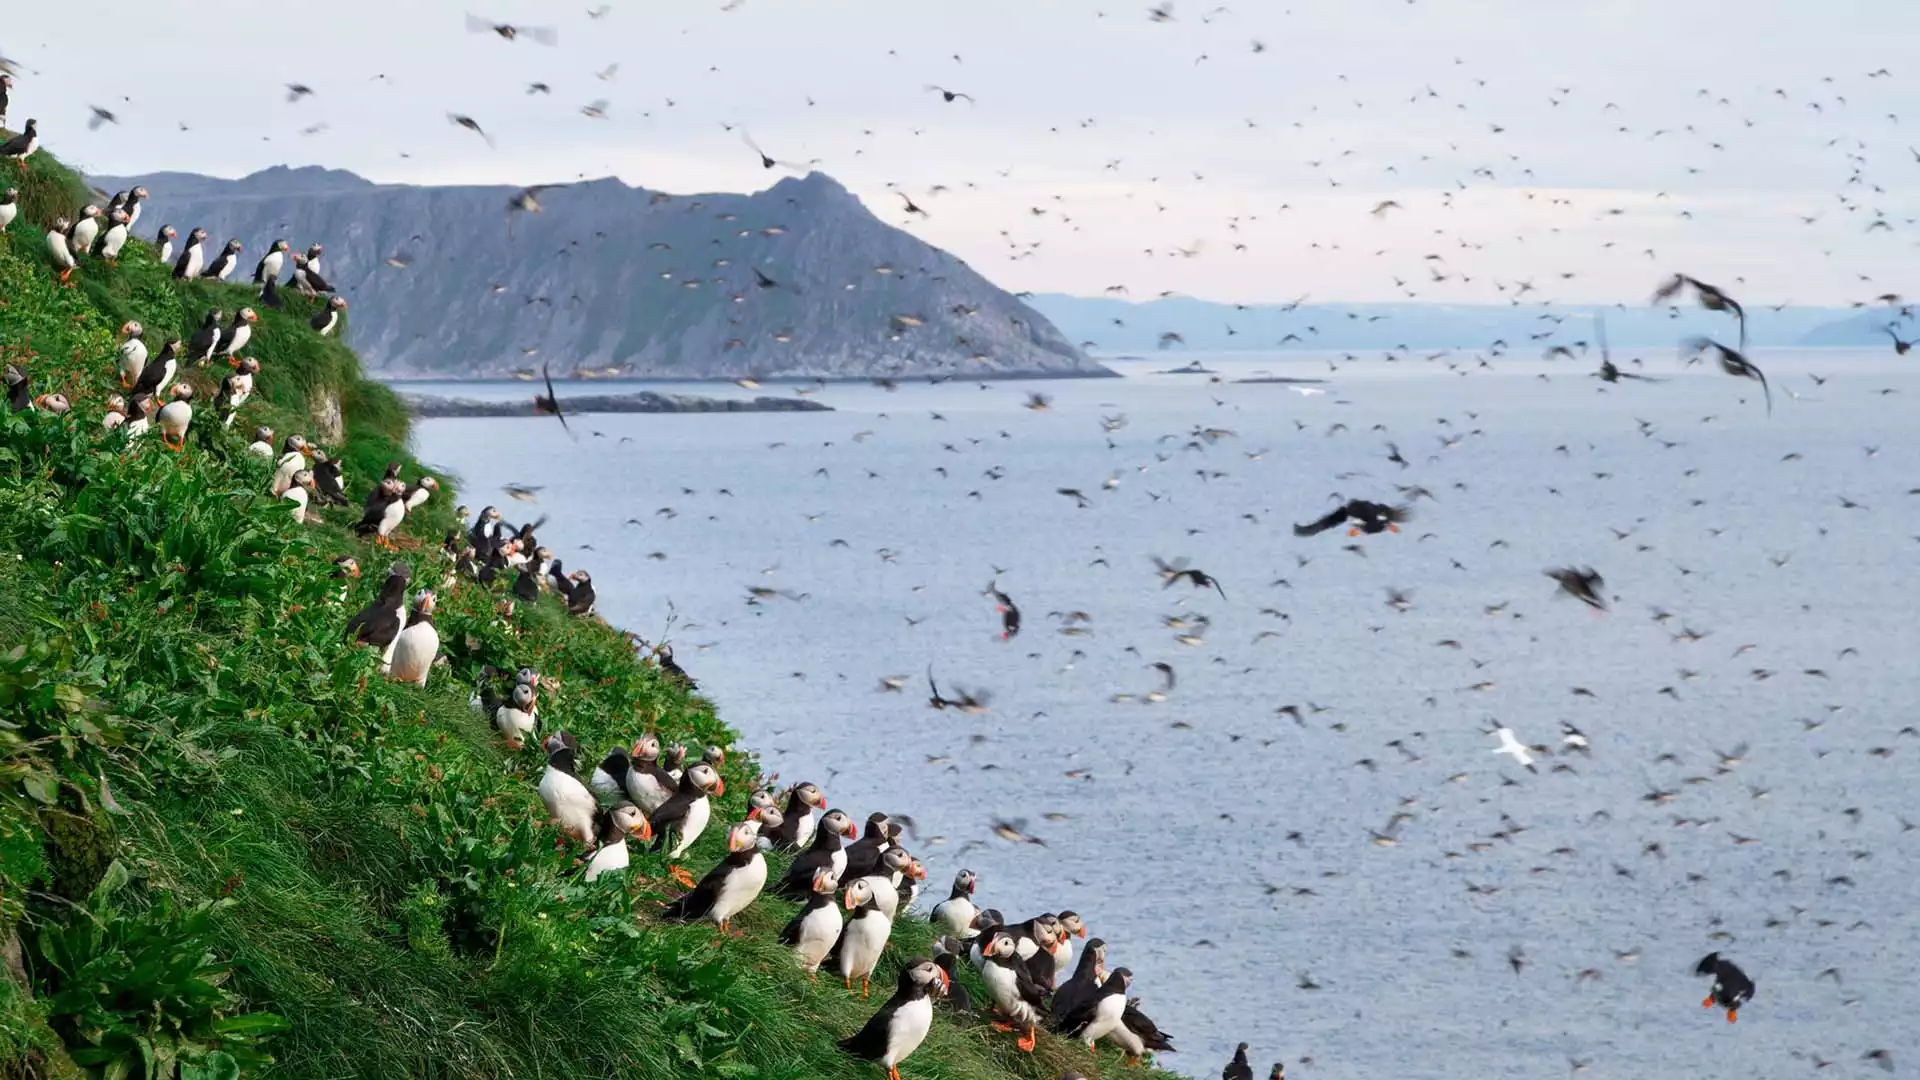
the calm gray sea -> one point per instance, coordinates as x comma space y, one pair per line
1167, 824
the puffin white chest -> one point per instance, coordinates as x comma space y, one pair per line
1107, 1019
390, 518
698, 814
955, 914
270, 266
174, 418
84, 232
240, 388
133, 360
1003, 985
196, 261
646, 790
8, 211
907, 1030
1062, 959
386, 654
886, 892
515, 724
57, 247
609, 859
740, 888
298, 497
865, 937
803, 831
115, 240
569, 801
241, 335
290, 462
414, 650
839, 860
818, 931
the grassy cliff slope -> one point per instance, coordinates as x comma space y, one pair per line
228, 845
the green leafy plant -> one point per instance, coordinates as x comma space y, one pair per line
139, 994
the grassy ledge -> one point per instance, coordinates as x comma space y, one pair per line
228, 845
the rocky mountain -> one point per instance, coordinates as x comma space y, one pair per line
614, 280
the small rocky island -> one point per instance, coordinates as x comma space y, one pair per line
427, 406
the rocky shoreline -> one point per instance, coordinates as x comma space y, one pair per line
427, 406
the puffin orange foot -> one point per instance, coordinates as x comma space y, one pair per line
1393, 528
1733, 1015
1026, 1041
893, 1072
680, 875
866, 989
1353, 532
1002, 1025
1707, 1003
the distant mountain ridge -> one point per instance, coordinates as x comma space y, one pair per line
610, 279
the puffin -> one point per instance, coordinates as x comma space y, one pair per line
132, 354
1238, 1068
517, 716
1731, 986
1150, 1035
813, 931
163, 243
796, 831
314, 251
139, 415
1103, 1017
730, 886
897, 1030
1083, 985
236, 388
270, 295
647, 783
863, 938
328, 482
825, 853
383, 513
235, 336
9, 207
946, 953
569, 803
895, 864
84, 231
157, 375
116, 414
262, 444
221, 268
204, 340
526, 586
613, 826
346, 571
297, 495
485, 534
192, 257
954, 915
580, 595
685, 816
293, 457
417, 495
135, 199
1367, 517
1071, 927
379, 623
864, 854
22, 146
175, 416
270, 264
327, 320
60, 251
418, 644
609, 779
19, 390
6, 84
306, 276
119, 227
1016, 997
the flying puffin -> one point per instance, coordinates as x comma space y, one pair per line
379, 623
730, 886
418, 644
204, 340
1731, 986
297, 495
60, 251
796, 831
6, 84
685, 816
132, 354
1103, 1017
328, 483
163, 241
175, 416
115, 238
817, 926
863, 938
569, 803
84, 231
825, 853
9, 207
1016, 997
1367, 517
192, 257
293, 457
222, 266
328, 318
236, 388
647, 783
384, 511
955, 914
22, 146
897, 1030
615, 825
236, 335
270, 264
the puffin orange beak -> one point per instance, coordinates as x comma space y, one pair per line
847, 831
946, 980
719, 786
1082, 932
645, 830
848, 900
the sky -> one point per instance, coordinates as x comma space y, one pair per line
1230, 152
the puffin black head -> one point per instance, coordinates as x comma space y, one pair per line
346, 566
646, 749
1071, 926
246, 365
9, 196
1001, 945
928, 976
707, 779
806, 793
168, 232
1117, 981
836, 821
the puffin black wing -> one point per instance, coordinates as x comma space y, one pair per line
790, 933
1150, 1034
551, 403
696, 903
1334, 517
670, 816
870, 1042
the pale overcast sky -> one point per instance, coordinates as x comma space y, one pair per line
1705, 130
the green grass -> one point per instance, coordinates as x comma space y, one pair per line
372, 860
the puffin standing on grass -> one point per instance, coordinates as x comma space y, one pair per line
327, 481
797, 829
270, 264
9, 207
163, 244
293, 457
569, 803
679, 821
385, 509
517, 716
814, 930
83, 232
647, 783
221, 268
60, 251
119, 227
730, 886
116, 414
236, 388
327, 320
863, 938
580, 594
175, 416
22, 146
825, 853
237, 334
1084, 985
900, 1026
132, 355
379, 623
1103, 1017
1731, 986
132, 207
418, 644
201, 345
955, 914
1015, 995
615, 825
262, 444
157, 375
192, 257
297, 495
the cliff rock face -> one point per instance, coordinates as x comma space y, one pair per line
609, 279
